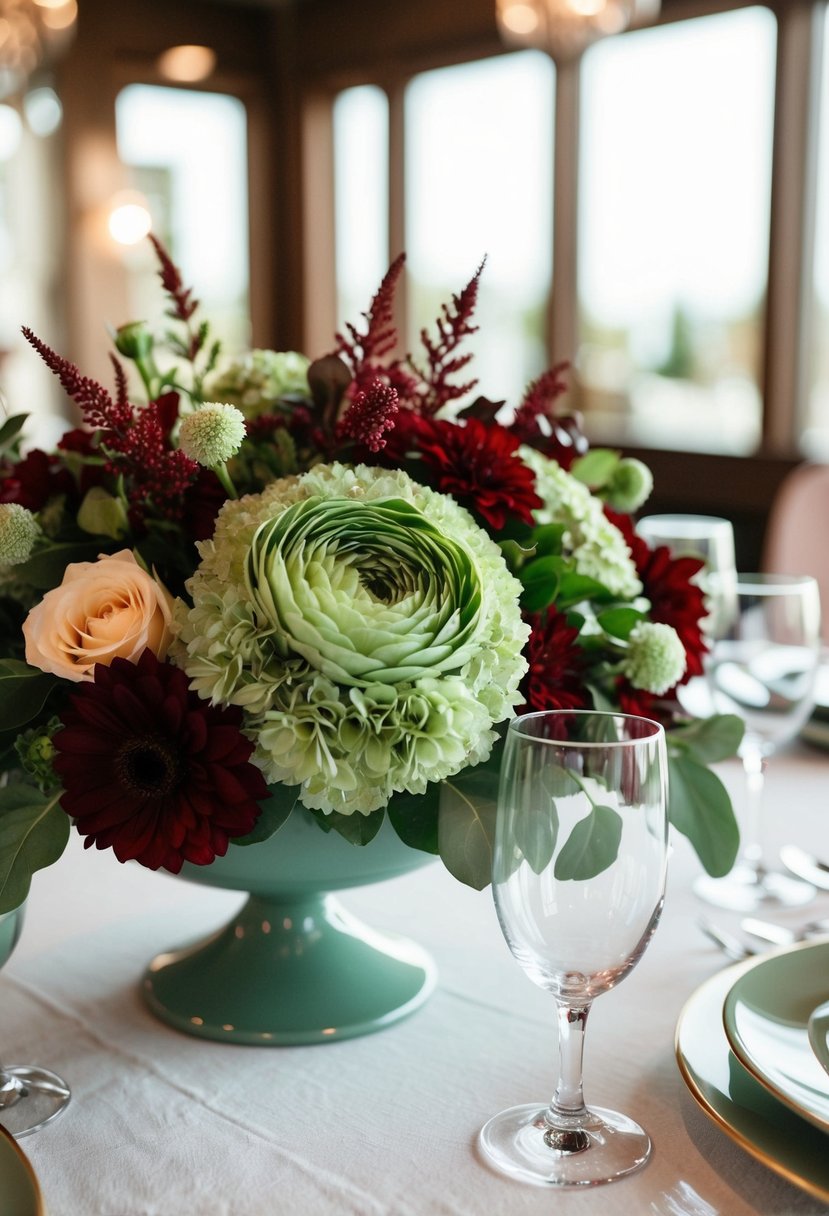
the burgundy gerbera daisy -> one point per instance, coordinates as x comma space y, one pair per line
152, 771
555, 679
476, 463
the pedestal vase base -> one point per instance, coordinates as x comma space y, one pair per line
285, 971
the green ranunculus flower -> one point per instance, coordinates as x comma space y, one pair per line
367, 626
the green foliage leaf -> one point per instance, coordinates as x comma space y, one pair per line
620, 622
356, 829
574, 588
537, 835
548, 540
596, 467
45, 569
275, 811
10, 430
591, 847
33, 834
415, 817
700, 808
23, 693
709, 740
466, 825
541, 579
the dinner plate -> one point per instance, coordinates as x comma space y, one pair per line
743, 1108
766, 1017
819, 1033
19, 1190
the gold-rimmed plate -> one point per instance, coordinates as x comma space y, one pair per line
743, 1108
19, 1190
766, 1017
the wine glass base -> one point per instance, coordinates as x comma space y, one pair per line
744, 890
42, 1097
514, 1143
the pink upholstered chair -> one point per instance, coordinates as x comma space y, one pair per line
797, 536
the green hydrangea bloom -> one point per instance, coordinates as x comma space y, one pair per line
595, 544
367, 626
257, 380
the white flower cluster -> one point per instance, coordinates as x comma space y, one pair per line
367, 626
595, 544
255, 381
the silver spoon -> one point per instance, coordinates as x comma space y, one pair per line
801, 863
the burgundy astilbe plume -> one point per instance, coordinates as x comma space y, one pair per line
362, 352
152, 771
453, 325
133, 440
369, 415
536, 423
181, 297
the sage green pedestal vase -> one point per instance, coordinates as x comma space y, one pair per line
293, 966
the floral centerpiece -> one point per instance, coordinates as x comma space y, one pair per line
275, 583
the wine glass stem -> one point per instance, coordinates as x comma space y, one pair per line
754, 766
567, 1113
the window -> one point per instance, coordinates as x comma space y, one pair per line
479, 156
676, 153
361, 175
816, 434
188, 156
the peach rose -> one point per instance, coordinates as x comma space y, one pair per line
101, 611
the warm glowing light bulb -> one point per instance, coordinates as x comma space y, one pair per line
520, 18
129, 221
60, 16
587, 8
187, 64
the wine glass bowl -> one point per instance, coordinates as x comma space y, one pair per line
578, 882
763, 668
30, 1096
710, 538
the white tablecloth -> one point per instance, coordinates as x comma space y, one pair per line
161, 1124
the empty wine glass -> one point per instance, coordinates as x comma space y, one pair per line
578, 881
763, 668
30, 1097
710, 538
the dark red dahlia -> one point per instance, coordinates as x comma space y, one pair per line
152, 771
476, 463
555, 679
675, 599
34, 480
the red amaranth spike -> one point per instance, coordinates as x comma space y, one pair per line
369, 415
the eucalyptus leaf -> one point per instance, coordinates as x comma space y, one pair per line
356, 829
23, 693
700, 808
466, 825
591, 847
709, 739
414, 817
274, 812
548, 540
33, 834
536, 835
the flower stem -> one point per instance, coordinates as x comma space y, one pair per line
224, 477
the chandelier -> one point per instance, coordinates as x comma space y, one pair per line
32, 32
564, 28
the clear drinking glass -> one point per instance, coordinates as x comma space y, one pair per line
578, 881
30, 1097
710, 538
763, 668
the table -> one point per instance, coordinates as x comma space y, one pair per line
161, 1124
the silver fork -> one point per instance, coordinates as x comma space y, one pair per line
730, 945
781, 935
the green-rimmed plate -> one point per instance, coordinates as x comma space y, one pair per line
19, 1190
740, 1105
766, 1017
819, 1034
